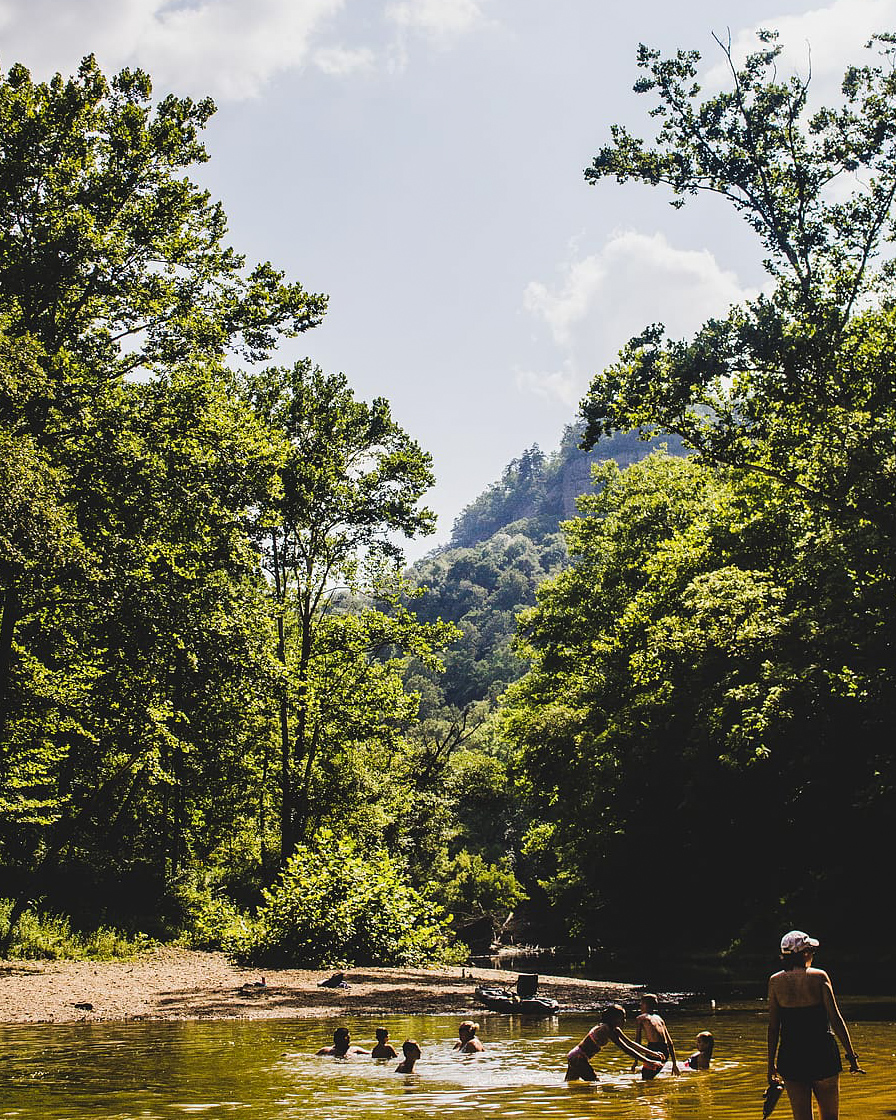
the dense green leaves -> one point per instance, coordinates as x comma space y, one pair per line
201, 639
338, 905
107, 254
713, 675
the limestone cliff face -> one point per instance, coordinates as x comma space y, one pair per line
542, 489
623, 449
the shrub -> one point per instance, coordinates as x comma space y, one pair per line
44, 936
335, 906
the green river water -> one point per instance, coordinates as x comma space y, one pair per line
262, 1070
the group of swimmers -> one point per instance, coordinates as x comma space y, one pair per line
467, 1043
650, 1025
805, 1024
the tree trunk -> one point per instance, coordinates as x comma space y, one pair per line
11, 611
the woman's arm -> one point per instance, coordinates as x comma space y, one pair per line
774, 1030
633, 1049
838, 1024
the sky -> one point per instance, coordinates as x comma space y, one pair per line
421, 162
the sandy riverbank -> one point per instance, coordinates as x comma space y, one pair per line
182, 984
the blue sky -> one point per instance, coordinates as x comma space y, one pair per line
421, 162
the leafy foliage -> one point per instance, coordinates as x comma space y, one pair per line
337, 905
45, 936
713, 675
351, 480
180, 692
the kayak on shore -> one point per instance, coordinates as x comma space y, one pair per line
509, 1003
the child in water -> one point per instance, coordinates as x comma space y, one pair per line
467, 1042
383, 1048
578, 1066
653, 1029
341, 1047
702, 1056
411, 1052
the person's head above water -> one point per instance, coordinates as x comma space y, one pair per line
649, 1001
381, 1034
341, 1039
613, 1015
468, 1027
410, 1048
705, 1043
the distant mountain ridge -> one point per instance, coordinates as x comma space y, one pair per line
502, 546
543, 490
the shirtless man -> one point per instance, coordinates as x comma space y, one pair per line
656, 1035
383, 1048
411, 1051
578, 1066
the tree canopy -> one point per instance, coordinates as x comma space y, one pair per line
712, 677
186, 688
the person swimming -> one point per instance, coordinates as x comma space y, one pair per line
411, 1051
467, 1042
578, 1065
383, 1048
702, 1056
341, 1047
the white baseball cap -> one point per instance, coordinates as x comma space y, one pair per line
797, 942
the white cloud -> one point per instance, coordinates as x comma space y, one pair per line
229, 48
604, 299
341, 61
436, 18
826, 39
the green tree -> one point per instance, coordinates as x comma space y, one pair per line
796, 385
351, 483
720, 651
685, 718
131, 668
107, 253
334, 905
132, 628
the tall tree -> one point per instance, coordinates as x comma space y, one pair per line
755, 640
111, 260
774, 386
106, 252
351, 484
134, 492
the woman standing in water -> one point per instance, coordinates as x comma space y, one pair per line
609, 1029
802, 1012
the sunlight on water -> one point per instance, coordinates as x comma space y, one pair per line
267, 1071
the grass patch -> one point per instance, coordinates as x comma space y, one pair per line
45, 936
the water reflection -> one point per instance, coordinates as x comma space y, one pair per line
267, 1071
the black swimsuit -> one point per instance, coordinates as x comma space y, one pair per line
808, 1050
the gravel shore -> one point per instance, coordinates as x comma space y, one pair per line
172, 983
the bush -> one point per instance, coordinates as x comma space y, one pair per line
335, 906
475, 890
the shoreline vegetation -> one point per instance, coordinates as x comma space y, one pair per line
187, 984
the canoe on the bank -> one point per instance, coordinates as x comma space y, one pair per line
509, 1003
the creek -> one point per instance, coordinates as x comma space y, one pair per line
266, 1070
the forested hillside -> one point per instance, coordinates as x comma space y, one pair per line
230, 714
503, 545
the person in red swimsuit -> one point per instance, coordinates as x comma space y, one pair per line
609, 1029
